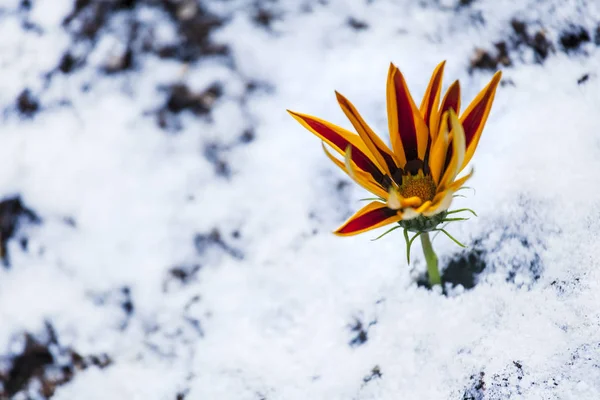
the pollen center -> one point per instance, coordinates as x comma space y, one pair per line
418, 185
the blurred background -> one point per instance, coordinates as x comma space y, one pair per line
165, 226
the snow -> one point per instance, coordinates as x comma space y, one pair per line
272, 305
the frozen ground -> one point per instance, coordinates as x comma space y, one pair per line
165, 225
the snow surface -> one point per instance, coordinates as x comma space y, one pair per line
276, 306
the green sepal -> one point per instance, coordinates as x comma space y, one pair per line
386, 232
462, 210
422, 223
452, 238
373, 199
409, 243
455, 219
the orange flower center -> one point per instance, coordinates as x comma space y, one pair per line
418, 185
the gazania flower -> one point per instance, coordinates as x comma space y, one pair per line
416, 179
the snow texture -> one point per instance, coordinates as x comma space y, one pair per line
166, 226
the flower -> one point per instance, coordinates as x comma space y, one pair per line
416, 179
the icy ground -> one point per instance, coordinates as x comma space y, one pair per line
166, 226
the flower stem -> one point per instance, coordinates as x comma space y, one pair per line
432, 260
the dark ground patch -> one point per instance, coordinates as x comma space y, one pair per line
43, 365
27, 104
520, 39
374, 374
476, 388
214, 153
514, 381
181, 98
505, 385
264, 15
13, 215
119, 297
190, 317
185, 274
90, 20
194, 26
207, 245
181, 396
357, 24
583, 79
566, 287
573, 38
360, 331
525, 36
510, 382
213, 240
464, 269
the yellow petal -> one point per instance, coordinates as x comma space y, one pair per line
395, 201
441, 202
454, 186
458, 152
437, 159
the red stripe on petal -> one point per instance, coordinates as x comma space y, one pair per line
476, 118
406, 122
433, 93
449, 153
451, 99
473, 121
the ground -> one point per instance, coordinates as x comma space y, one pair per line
165, 225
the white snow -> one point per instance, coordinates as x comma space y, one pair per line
270, 311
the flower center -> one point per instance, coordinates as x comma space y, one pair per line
418, 185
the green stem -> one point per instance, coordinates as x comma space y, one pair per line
432, 260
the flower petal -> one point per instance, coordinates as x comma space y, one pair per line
373, 215
395, 201
454, 186
424, 207
437, 159
412, 213
441, 202
362, 178
408, 132
409, 213
451, 100
458, 152
476, 115
339, 139
384, 156
431, 99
